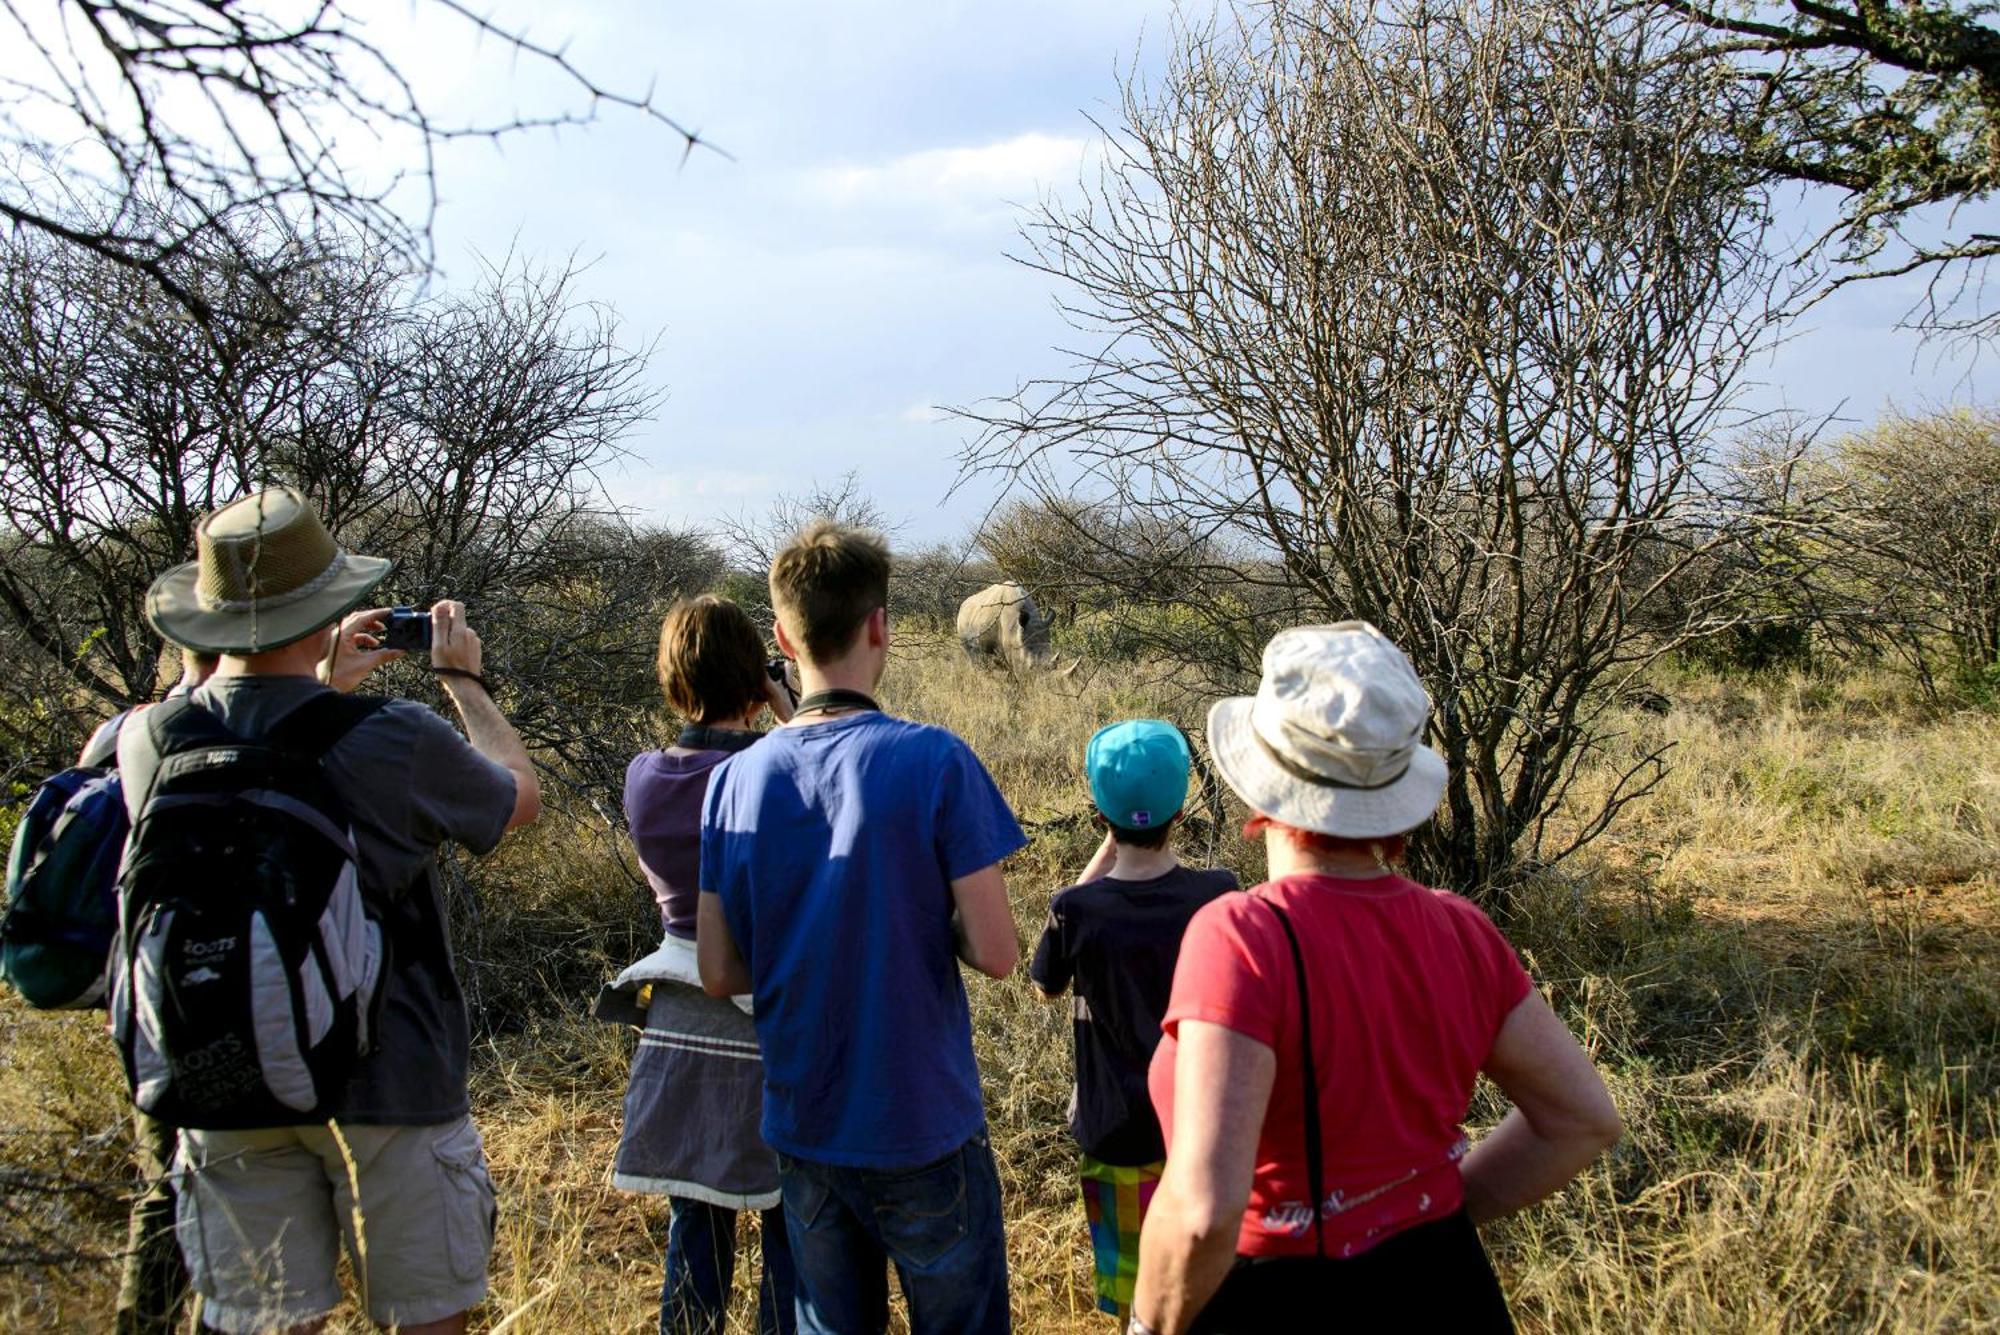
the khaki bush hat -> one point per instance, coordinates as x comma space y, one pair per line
266, 573
1331, 742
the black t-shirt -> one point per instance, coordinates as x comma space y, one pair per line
1117, 941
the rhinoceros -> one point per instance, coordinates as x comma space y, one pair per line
1000, 625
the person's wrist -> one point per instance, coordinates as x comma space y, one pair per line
455, 678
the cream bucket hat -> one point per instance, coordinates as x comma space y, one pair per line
1331, 742
266, 573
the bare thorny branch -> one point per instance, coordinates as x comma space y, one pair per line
119, 116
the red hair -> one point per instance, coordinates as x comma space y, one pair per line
1387, 847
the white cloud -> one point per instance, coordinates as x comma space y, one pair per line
708, 484
978, 180
922, 413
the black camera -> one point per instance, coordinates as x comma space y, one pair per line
409, 629
775, 669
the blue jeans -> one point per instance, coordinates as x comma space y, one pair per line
938, 1224
701, 1265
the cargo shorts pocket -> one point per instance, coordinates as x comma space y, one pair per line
922, 1213
188, 1235
470, 1212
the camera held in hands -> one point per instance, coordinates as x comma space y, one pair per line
409, 629
777, 670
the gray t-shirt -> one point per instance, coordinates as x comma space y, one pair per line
410, 782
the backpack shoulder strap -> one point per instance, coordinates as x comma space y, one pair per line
101, 752
179, 724
174, 725
316, 727
1315, 1170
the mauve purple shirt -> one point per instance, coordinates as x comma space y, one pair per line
663, 794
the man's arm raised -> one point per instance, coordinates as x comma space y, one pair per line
455, 654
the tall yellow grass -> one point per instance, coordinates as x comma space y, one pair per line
1787, 962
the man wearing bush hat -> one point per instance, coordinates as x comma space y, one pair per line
263, 1212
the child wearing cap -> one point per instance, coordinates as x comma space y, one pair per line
1114, 937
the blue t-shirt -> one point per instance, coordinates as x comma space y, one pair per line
833, 847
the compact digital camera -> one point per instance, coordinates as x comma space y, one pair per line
409, 629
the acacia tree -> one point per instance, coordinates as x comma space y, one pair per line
457, 433
753, 540
138, 130
1119, 560
1427, 313
1914, 519
1882, 543
1896, 107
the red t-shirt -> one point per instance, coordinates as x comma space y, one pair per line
1409, 988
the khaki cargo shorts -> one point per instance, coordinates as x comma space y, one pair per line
263, 1215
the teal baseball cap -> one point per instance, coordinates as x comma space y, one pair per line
1138, 772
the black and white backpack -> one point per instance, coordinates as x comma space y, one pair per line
247, 970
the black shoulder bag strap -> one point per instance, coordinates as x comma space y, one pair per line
1315, 1170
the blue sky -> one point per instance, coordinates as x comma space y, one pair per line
816, 296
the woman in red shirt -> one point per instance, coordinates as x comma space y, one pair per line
1326, 1029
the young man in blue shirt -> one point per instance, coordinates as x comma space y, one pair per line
849, 861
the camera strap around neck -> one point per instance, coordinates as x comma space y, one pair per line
701, 737
838, 697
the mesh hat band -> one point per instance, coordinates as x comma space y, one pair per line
271, 601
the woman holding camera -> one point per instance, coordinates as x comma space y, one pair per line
1326, 1029
696, 1091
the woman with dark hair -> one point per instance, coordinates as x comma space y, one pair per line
696, 1091
1326, 1029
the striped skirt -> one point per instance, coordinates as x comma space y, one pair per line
1115, 1198
694, 1104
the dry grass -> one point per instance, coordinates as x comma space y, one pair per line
1787, 963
